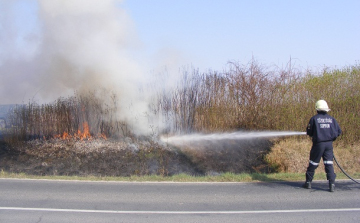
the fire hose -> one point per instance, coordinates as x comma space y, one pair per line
345, 172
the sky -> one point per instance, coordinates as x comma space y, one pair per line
207, 34
53, 48
210, 33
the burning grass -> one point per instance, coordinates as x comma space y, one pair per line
84, 135
83, 116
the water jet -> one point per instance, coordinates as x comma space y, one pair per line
239, 135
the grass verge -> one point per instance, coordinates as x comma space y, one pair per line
291, 155
225, 177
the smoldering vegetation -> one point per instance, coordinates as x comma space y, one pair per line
95, 157
127, 157
45, 138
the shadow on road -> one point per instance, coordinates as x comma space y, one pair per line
321, 185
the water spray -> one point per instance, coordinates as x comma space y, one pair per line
179, 139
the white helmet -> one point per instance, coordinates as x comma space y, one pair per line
321, 105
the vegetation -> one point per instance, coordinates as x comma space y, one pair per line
79, 116
291, 155
251, 97
247, 97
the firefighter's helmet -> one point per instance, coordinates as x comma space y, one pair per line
321, 105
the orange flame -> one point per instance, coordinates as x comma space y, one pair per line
86, 134
65, 135
82, 135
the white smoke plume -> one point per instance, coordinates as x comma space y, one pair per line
76, 45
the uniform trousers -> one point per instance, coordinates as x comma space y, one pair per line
321, 150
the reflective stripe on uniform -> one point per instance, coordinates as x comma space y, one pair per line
313, 163
328, 162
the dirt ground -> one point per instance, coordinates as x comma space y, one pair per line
129, 156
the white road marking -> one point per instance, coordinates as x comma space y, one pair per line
179, 212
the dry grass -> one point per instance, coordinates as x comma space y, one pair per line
246, 97
292, 156
97, 157
129, 157
348, 157
222, 156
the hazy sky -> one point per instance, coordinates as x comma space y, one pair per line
209, 33
53, 48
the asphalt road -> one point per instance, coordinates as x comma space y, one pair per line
79, 201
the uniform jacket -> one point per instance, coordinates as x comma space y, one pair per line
322, 128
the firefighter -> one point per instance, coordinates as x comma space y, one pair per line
323, 129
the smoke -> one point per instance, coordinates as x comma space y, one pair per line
69, 46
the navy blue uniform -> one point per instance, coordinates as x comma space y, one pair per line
323, 129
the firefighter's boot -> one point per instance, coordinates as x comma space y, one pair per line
331, 187
307, 185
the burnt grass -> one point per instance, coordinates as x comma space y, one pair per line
132, 156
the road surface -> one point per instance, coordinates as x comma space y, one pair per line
86, 201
